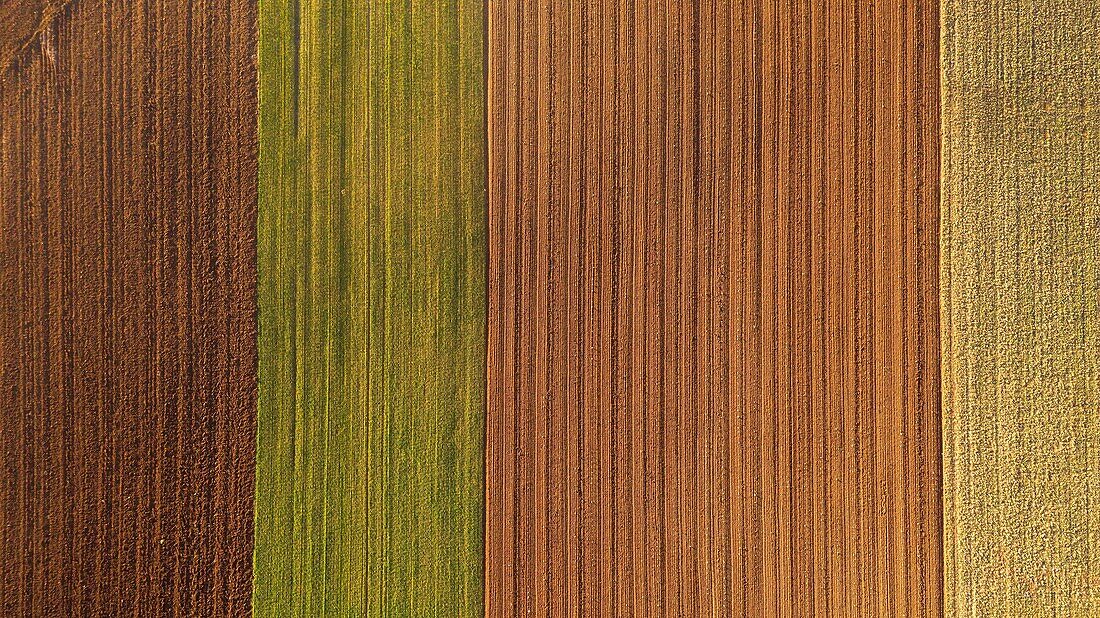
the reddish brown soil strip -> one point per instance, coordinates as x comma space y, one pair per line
127, 318
713, 324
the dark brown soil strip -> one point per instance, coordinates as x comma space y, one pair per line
127, 312
713, 324
21, 21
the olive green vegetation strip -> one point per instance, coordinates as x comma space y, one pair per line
372, 243
1021, 307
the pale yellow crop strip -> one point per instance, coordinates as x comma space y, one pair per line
1020, 277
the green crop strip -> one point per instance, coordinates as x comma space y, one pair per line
372, 241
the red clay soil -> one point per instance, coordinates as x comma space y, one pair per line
127, 312
714, 350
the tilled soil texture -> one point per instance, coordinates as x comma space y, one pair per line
127, 311
713, 321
